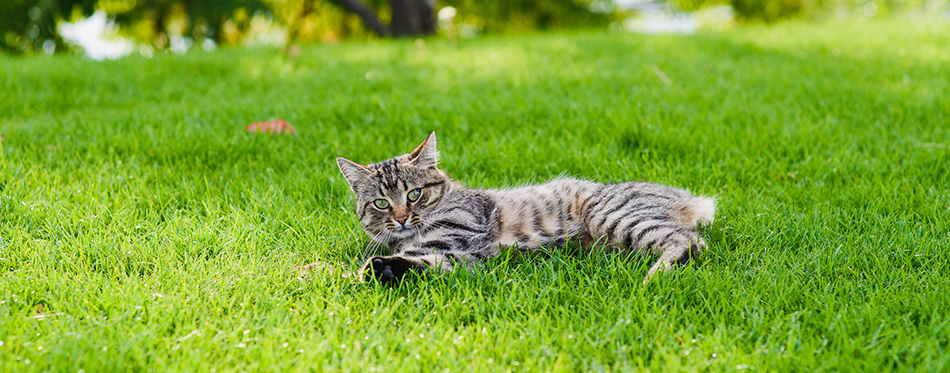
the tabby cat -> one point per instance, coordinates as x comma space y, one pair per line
428, 220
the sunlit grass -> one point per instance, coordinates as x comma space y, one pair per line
142, 228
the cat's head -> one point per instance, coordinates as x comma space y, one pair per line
393, 196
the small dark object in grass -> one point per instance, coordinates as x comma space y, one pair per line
389, 270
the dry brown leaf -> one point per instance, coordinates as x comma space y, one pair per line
271, 126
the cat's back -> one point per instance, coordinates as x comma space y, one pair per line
545, 195
543, 213
471, 205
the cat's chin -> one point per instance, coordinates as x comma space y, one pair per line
402, 233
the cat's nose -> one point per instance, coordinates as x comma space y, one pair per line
402, 219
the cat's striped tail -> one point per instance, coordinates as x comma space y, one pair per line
699, 210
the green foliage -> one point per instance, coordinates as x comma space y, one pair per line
523, 15
771, 10
485, 16
155, 19
693, 5
326, 23
26, 25
142, 229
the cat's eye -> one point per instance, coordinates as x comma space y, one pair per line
414, 194
381, 204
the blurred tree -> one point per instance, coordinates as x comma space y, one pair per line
693, 5
395, 18
524, 15
771, 10
365, 13
323, 21
29, 25
153, 21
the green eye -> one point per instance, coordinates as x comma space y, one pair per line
414, 194
381, 204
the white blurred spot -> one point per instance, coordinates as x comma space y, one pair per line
655, 17
209, 45
661, 23
447, 13
146, 51
178, 44
870, 9
90, 34
49, 46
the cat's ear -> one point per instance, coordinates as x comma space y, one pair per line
354, 173
425, 155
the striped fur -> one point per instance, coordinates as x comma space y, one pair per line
449, 225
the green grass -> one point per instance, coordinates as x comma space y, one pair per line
143, 229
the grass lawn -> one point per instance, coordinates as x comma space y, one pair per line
142, 228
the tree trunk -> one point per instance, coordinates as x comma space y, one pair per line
426, 11
405, 18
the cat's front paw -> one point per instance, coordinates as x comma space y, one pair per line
388, 270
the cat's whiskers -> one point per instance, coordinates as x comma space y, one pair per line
374, 244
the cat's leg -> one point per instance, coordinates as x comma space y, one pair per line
390, 269
677, 247
649, 230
